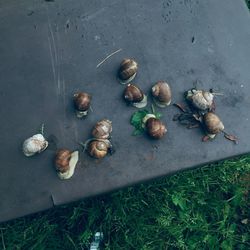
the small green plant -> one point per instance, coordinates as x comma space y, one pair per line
137, 119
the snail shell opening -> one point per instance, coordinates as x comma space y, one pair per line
143, 103
161, 104
146, 117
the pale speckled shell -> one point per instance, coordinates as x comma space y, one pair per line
34, 144
102, 129
200, 99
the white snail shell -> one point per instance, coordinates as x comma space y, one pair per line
34, 144
200, 99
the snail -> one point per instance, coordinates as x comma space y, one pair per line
102, 129
98, 148
35, 144
212, 124
134, 95
82, 104
65, 162
161, 93
200, 99
127, 71
154, 127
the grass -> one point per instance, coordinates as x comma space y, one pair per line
206, 208
248, 3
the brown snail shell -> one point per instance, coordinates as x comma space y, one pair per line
161, 93
134, 95
65, 163
200, 99
98, 148
212, 123
127, 71
102, 129
155, 128
82, 103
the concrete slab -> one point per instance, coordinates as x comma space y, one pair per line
50, 50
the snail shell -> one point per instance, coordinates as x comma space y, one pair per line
161, 93
155, 128
102, 129
65, 162
127, 71
212, 124
34, 144
134, 95
98, 148
82, 103
200, 99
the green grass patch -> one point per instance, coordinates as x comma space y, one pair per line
206, 208
248, 3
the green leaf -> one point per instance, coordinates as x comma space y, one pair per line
179, 201
137, 117
136, 121
226, 245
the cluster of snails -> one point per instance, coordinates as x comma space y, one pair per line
133, 95
99, 146
203, 102
202, 110
66, 160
